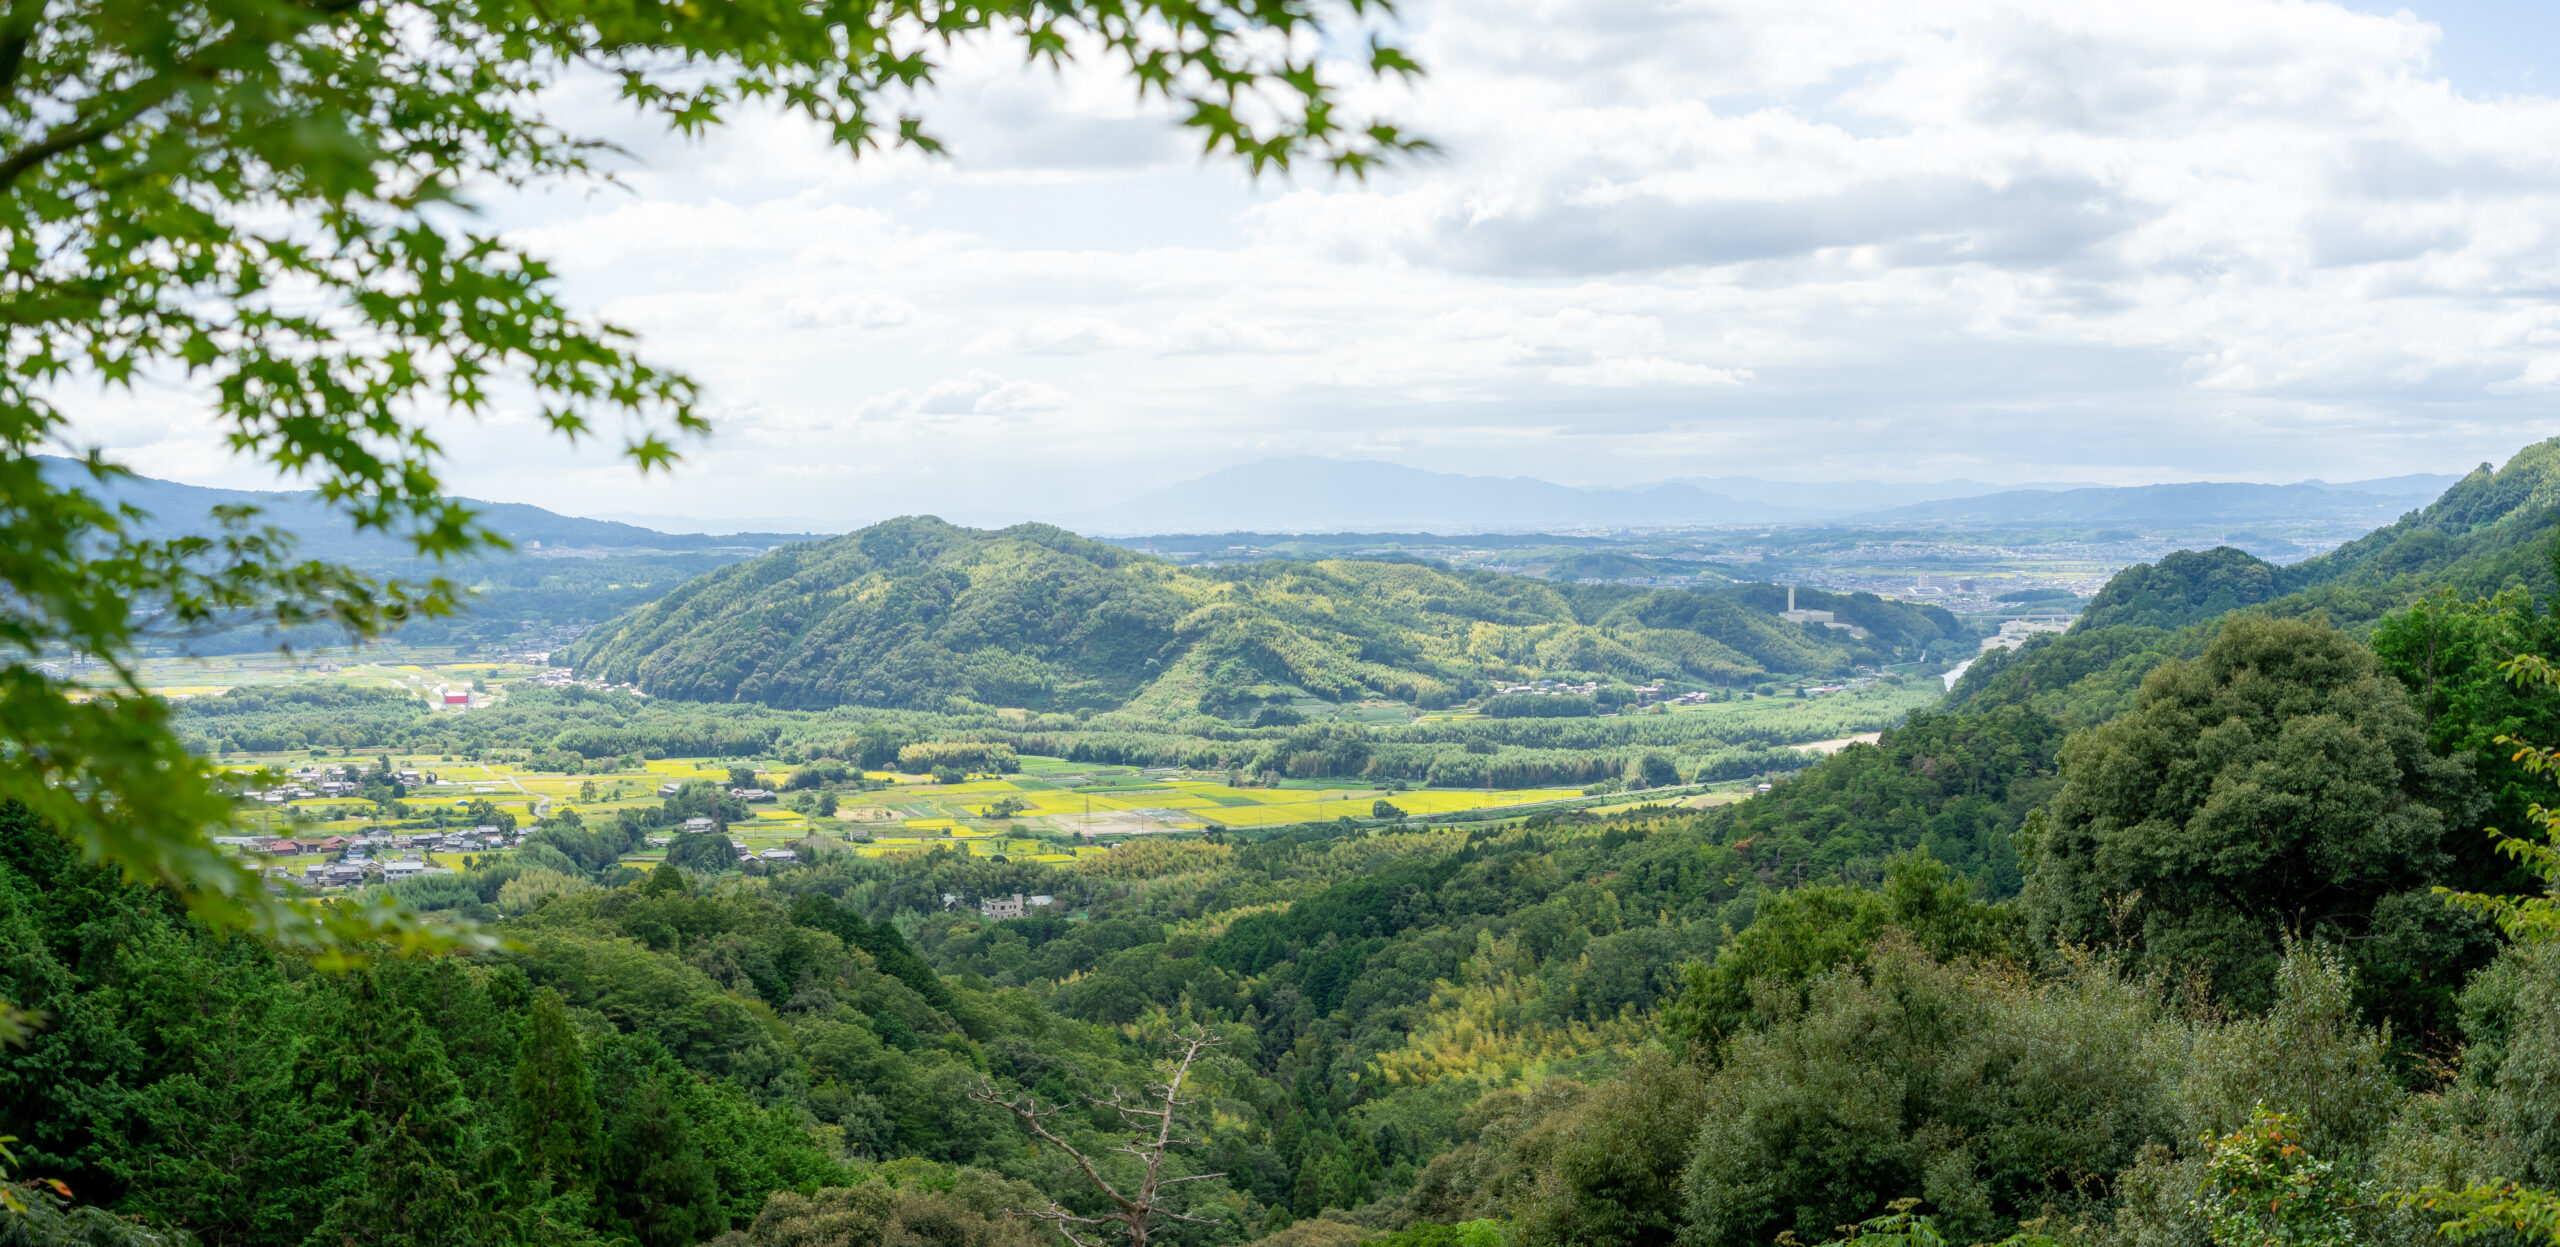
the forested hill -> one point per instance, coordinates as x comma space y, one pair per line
2489, 532
2182, 588
916, 612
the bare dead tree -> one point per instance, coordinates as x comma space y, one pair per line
1150, 1124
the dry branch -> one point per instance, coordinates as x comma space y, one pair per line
1150, 1121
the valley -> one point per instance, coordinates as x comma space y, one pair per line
1468, 872
1278, 623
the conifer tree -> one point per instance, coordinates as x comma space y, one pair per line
558, 1128
420, 1183
655, 1175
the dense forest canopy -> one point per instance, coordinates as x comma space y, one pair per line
921, 614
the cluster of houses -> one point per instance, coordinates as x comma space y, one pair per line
458, 840
356, 872
375, 858
330, 781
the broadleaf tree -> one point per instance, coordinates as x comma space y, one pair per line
258, 203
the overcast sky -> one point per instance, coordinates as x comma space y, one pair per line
1854, 239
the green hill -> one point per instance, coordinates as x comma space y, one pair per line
2185, 586
917, 612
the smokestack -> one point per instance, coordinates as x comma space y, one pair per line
1791, 597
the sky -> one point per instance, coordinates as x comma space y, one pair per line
2009, 240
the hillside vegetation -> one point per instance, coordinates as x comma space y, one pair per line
2490, 533
923, 614
2183, 587
2487, 533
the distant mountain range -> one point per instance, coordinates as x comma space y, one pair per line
1306, 494
176, 509
2196, 503
1310, 494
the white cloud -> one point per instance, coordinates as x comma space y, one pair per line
1067, 335
1019, 396
1651, 370
978, 394
847, 311
2020, 239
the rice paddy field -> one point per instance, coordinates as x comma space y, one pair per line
1065, 810
1050, 810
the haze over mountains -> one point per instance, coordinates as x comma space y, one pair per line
2200, 502
1311, 494
174, 508
1306, 494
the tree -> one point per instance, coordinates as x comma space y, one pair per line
709, 852
253, 197
557, 1123
421, 1180
2265, 1188
1614, 1161
2527, 919
2453, 655
1993, 1096
2279, 783
1150, 1122
1802, 933
661, 1185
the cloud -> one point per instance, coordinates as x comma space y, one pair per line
847, 311
2009, 239
1651, 371
978, 394
1068, 335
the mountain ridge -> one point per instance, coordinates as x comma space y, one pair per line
176, 508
